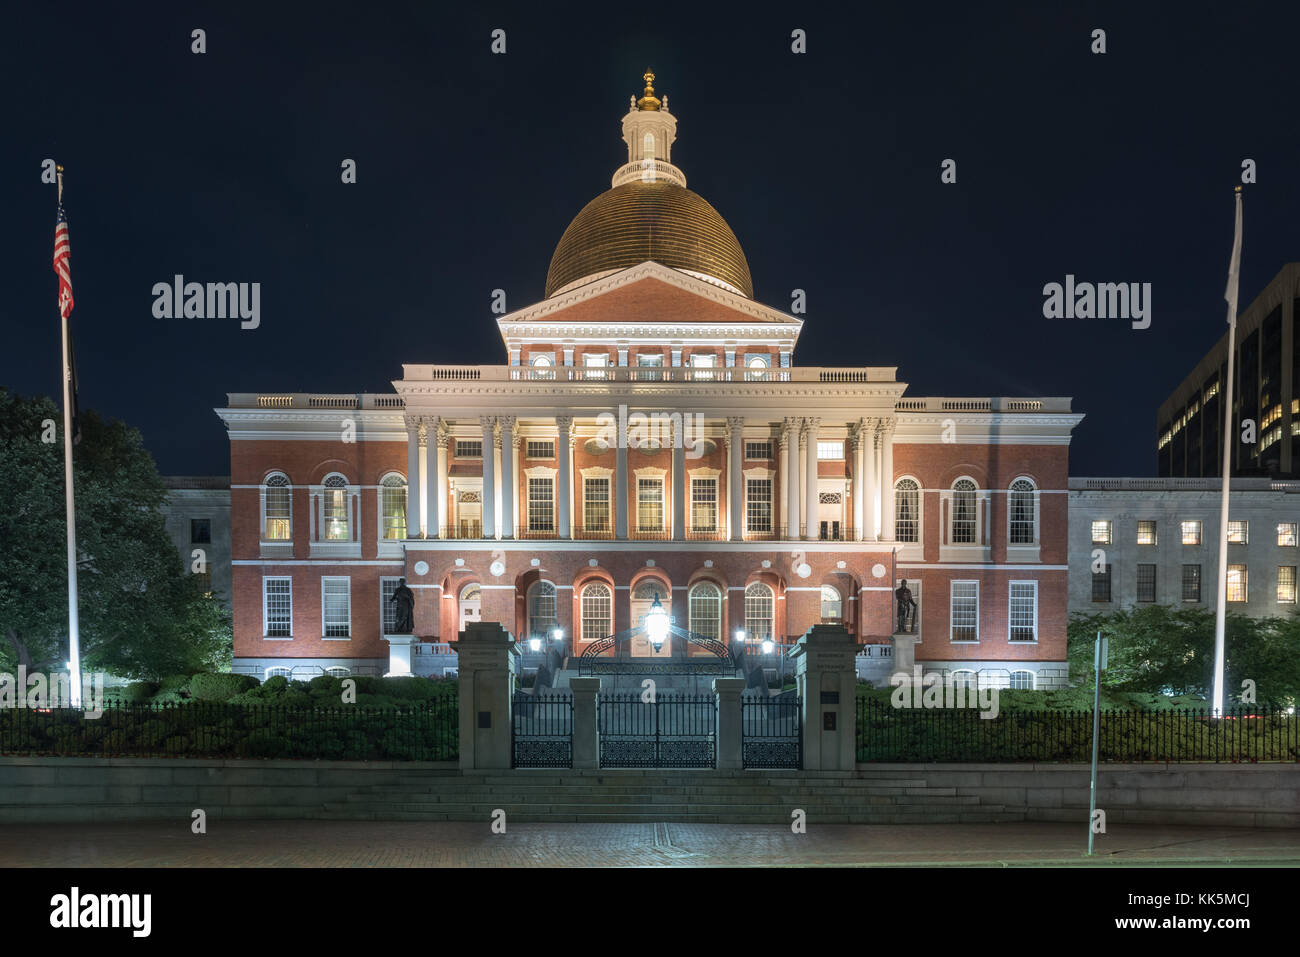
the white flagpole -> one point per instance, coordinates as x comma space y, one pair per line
74, 640
1229, 431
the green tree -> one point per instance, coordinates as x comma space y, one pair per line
142, 614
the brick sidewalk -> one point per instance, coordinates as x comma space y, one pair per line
423, 844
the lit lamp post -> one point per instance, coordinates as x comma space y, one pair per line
656, 624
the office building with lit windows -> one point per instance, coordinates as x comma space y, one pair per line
648, 436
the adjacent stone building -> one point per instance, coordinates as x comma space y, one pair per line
198, 520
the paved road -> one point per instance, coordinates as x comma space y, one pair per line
421, 844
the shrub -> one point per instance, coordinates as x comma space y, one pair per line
220, 687
175, 683
138, 692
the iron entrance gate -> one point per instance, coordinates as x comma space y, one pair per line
677, 731
771, 731
541, 731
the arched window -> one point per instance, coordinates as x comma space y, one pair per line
962, 678
471, 592
832, 605
392, 501
649, 589
759, 603
541, 609
757, 362
334, 501
706, 610
597, 606
542, 367
279, 671
963, 512
907, 511
338, 671
1022, 681
277, 513
1020, 508
648, 146
541, 360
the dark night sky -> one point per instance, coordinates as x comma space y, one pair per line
225, 167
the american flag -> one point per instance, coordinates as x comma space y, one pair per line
62, 263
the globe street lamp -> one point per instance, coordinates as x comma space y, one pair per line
656, 624
767, 646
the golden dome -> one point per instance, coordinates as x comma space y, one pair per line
657, 220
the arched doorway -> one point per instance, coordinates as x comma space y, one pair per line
471, 604
642, 599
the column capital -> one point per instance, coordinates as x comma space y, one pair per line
564, 424
412, 421
444, 432
488, 422
515, 439
886, 426
735, 422
422, 432
812, 423
506, 422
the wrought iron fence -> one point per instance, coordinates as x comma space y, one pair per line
771, 731
669, 731
541, 731
1242, 734
428, 731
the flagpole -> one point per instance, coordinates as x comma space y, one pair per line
1221, 602
74, 639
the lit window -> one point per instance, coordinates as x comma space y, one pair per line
1021, 508
334, 497
1024, 611
964, 611
596, 605
1191, 583
277, 607
704, 505
392, 492
1238, 532
705, 607
650, 362
541, 609
1192, 532
907, 511
1286, 584
830, 450
1238, 580
963, 512
758, 611
1146, 582
758, 505
649, 505
541, 504
832, 605
591, 360
336, 607
277, 517
757, 362
1146, 532
595, 504
387, 608
648, 146
1286, 534
1101, 532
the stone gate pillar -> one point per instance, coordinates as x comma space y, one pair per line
729, 730
488, 661
826, 676
586, 744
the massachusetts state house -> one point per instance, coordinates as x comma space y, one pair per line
648, 435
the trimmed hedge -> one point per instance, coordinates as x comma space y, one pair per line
219, 687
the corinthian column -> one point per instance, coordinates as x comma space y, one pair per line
811, 427
489, 476
564, 494
791, 467
414, 441
736, 493
887, 480
506, 424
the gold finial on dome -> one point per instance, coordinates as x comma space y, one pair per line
648, 99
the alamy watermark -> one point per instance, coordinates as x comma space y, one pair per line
651, 430
941, 691
41, 690
1102, 300
214, 300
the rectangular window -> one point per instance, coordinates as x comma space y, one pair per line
595, 361
1238, 583
336, 607
469, 448
1101, 533
1286, 534
1286, 584
541, 504
540, 449
1238, 533
1023, 611
1146, 532
388, 610
278, 518
758, 505
1192, 532
963, 517
595, 504
1101, 585
964, 613
1146, 582
201, 531
758, 450
277, 607
650, 362
1191, 583
704, 505
649, 505
830, 450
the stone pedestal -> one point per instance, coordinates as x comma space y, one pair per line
826, 676
904, 653
729, 737
586, 743
488, 661
399, 655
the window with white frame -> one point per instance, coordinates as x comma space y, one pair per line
541, 609
279, 671
338, 671
650, 361
759, 607
277, 512
1023, 530
756, 362
964, 514
758, 505
469, 448
595, 504
649, 504
540, 449
1286, 534
597, 603
387, 608
705, 610
277, 607
907, 511
832, 604
336, 606
831, 449
760, 450
1191, 532
595, 360
542, 367
541, 504
704, 504
962, 678
334, 509
1023, 611
964, 611
1021, 681
392, 496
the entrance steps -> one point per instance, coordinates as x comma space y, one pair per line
740, 797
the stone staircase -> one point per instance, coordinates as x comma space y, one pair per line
735, 797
